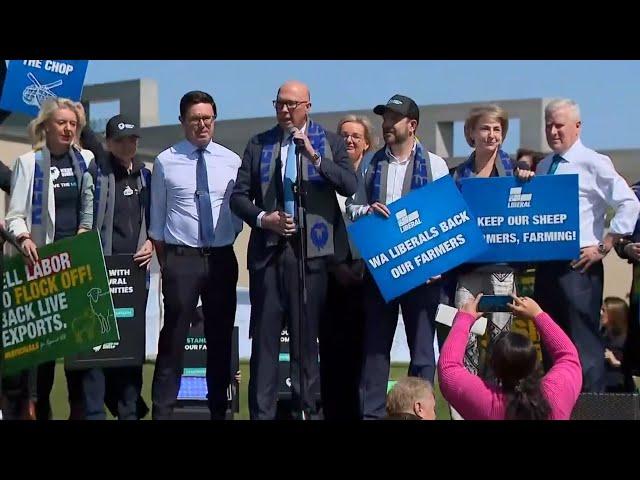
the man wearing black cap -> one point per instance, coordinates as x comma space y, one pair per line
122, 218
402, 165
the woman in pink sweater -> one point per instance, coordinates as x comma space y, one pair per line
522, 393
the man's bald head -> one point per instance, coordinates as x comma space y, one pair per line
293, 104
295, 87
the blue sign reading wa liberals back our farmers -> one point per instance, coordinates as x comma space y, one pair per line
30, 82
430, 231
529, 221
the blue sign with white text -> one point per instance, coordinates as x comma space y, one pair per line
529, 221
30, 82
430, 231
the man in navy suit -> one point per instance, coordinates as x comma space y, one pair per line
263, 197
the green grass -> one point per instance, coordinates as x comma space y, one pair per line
60, 405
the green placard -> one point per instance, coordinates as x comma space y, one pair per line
59, 306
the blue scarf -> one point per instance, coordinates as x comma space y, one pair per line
104, 183
317, 137
418, 178
466, 169
36, 197
145, 176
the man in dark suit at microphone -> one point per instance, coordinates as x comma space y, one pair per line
264, 198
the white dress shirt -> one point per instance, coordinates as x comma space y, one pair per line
600, 187
395, 178
174, 216
396, 173
398, 170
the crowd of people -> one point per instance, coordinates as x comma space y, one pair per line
191, 208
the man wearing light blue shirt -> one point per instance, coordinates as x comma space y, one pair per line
193, 231
571, 293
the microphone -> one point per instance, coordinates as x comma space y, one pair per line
297, 141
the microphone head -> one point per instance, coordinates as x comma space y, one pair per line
292, 131
522, 165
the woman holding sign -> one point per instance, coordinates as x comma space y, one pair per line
485, 130
341, 328
52, 199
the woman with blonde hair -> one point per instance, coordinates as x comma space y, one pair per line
52, 199
485, 129
341, 328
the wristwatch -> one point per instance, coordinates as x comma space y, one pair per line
602, 249
315, 157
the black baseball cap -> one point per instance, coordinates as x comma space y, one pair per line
121, 126
402, 105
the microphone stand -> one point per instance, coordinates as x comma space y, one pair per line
300, 195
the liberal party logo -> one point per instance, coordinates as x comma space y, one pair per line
517, 199
407, 221
319, 234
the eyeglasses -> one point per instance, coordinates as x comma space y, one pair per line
291, 105
355, 137
208, 120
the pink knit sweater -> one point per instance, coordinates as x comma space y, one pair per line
476, 399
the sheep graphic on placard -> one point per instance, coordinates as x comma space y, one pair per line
94, 295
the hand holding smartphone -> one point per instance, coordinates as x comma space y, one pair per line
494, 303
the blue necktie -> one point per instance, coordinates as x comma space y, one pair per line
290, 179
203, 201
554, 164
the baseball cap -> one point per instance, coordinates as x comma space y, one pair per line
400, 104
121, 126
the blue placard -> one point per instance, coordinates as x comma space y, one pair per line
430, 231
30, 82
526, 221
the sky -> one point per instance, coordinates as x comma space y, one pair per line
607, 91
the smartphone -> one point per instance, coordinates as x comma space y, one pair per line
494, 303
